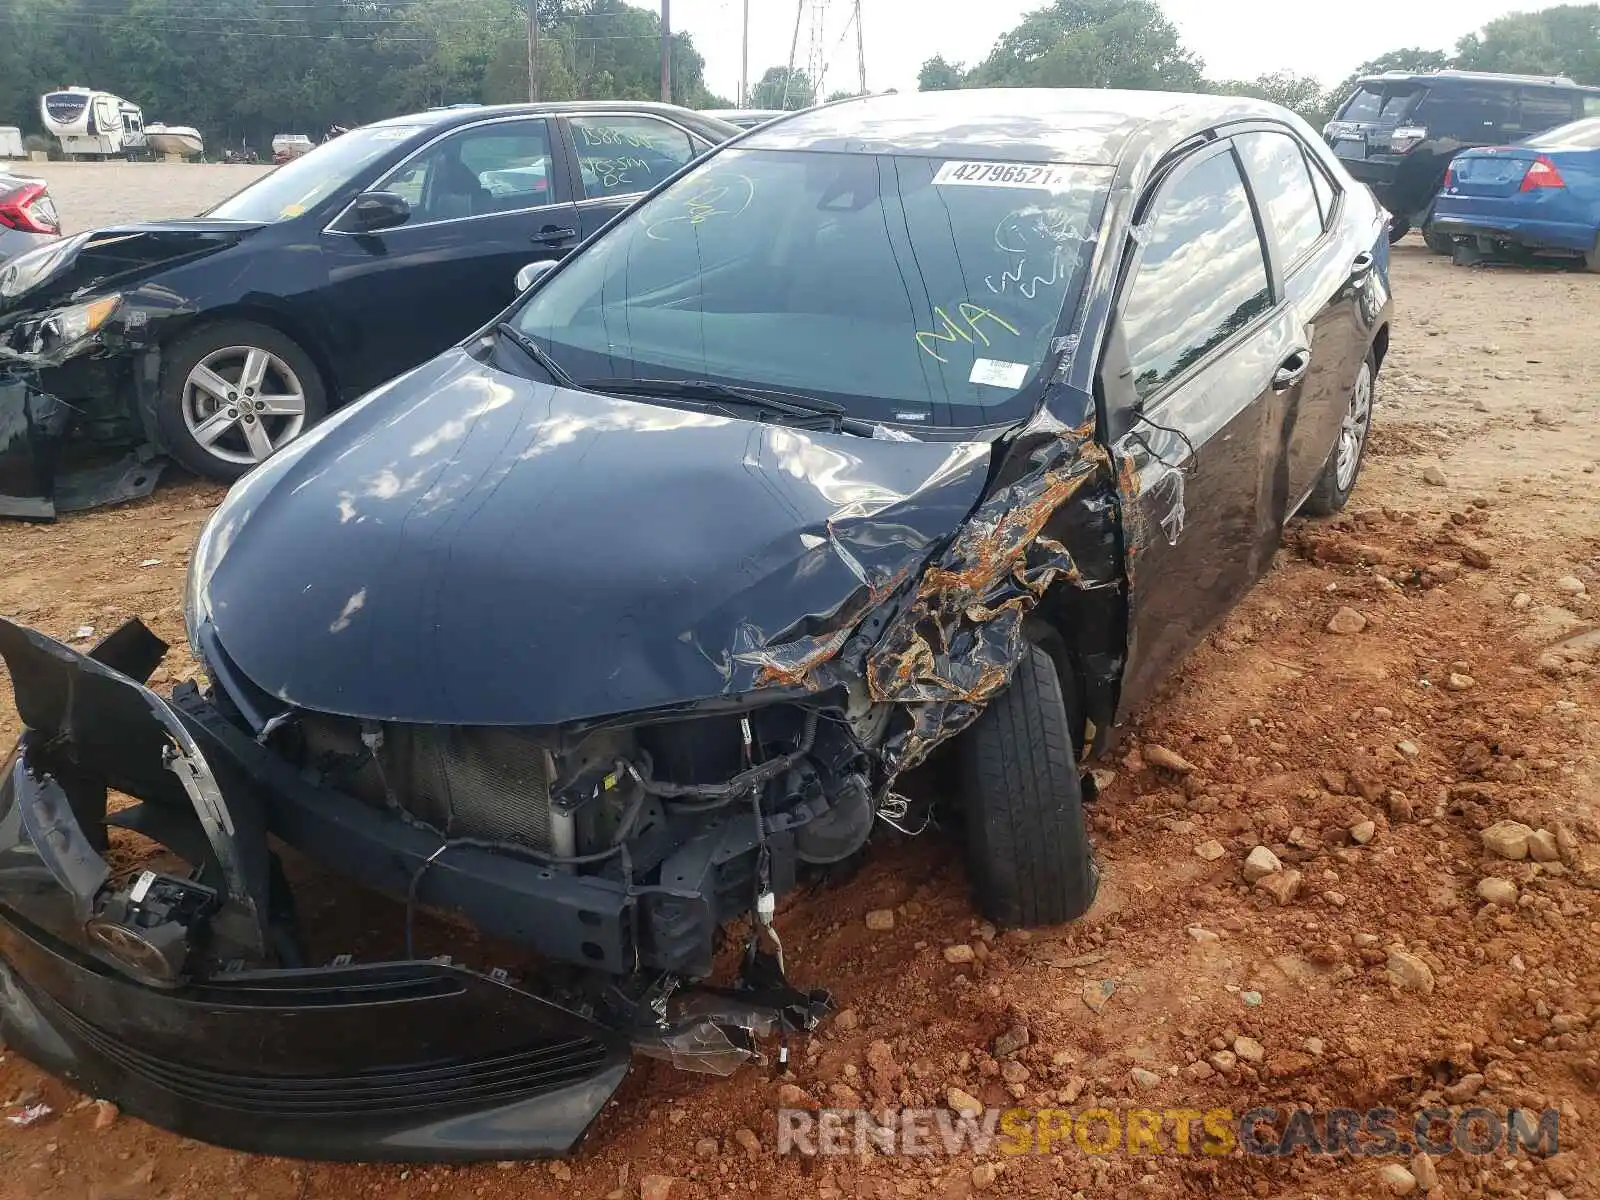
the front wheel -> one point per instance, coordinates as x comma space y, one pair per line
233, 394
1338, 478
1027, 840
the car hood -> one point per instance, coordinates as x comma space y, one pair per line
121, 255
467, 546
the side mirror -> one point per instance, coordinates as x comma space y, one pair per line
532, 273
379, 210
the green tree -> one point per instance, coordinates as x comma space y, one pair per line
1564, 40
939, 75
1091, 43
1298, 93
779, 88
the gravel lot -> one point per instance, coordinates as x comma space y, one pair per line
91, 194
1368, 762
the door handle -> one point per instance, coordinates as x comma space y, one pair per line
1291, 371
554, 233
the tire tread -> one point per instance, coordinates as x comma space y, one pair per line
1028, 844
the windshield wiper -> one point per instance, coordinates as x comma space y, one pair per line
536, 352
767, 400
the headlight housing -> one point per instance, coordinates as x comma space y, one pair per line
60, 333
28, 270
68, 325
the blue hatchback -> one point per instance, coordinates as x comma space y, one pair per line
1541, 196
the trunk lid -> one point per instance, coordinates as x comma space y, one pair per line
1491, 171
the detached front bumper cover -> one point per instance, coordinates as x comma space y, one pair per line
34, 429
125, 987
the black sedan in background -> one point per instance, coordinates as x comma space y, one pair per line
219, 339
938, 421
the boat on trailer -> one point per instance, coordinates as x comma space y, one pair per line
182, 140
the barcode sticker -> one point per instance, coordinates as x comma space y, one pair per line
999, 174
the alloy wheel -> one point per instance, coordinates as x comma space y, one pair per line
242, 403
1353, 430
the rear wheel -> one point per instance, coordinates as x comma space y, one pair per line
1398, 228
233, 394
1439, 243
1591, 258
1027, 839
1338, 477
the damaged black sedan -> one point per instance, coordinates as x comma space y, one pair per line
912, 424
217, 340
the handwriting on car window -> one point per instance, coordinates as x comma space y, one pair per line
615, 172
1033, 235
607, 136
723, 195
967, 329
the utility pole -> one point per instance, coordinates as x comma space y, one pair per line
666, 51
744, 61
533, 51
794, 46
861, 55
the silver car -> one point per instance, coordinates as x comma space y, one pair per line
27, 215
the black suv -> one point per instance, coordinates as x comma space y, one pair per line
1398, 131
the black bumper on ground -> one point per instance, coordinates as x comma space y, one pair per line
401, 1061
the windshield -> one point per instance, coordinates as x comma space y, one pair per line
904, 289
305, 182
1575, 135
1379, 102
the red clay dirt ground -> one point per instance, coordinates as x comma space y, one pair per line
1369, 762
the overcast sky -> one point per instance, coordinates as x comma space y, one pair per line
1236, 38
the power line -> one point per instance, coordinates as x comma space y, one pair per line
162, 25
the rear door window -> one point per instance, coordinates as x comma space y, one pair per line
624, 155
1475, 113
1379, 103
1323, 186
1202, 277
1283, 188
1545, 108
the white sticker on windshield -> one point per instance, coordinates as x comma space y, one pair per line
995, 373
394, 133
999, 174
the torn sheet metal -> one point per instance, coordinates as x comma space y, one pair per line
956, 641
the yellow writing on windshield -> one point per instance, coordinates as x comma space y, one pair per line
966, 330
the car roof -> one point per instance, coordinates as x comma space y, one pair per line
1075, 125
1456, 76
445, 118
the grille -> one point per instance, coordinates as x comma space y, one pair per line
471, 781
